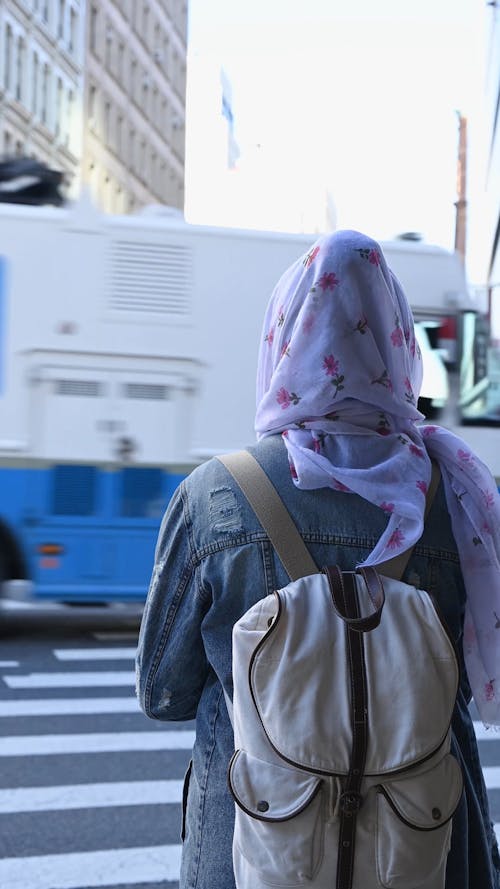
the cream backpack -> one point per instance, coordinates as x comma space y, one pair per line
344, 688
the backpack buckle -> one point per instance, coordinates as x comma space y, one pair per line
350, 802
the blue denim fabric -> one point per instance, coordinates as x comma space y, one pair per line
213, 561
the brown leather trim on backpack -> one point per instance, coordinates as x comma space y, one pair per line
343, 585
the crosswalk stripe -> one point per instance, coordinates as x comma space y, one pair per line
8, 664
85, 870
492, 777
486, 734
95, 654
68, 706
71, 680
105, 742
89, 796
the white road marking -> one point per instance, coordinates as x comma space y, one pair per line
113, 867
71, 680
95, 654
8, 664
67, 706
491, 777
105, 742
89, 796
486, 734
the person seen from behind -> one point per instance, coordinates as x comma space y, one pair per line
340, 436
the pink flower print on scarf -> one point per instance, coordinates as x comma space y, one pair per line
286, 398
308, 323
397, 334
489, 499
331, 367
339, 486
383, 427
372, 256
269, 337
310, 257
489, 691
465, 458
409, 396
422, 486
285, 351
388, 508
416, 451
328, 281
396, 539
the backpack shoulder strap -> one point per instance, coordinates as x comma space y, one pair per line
279, 526
271, 512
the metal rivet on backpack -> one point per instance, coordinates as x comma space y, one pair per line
346, 844
436, 814
262, 805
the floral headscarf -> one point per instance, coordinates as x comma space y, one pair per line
339, 376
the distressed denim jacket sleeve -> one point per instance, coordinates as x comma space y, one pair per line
171, 667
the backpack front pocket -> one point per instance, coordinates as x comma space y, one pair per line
278, 827
414, 826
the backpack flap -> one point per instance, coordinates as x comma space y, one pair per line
414, 825
300, 681
268, 791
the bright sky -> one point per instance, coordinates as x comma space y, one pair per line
358, 96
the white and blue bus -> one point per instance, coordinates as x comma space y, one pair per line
127, 355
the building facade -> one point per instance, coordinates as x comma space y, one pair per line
134, 103
41, 82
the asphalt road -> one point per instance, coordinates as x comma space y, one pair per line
90, 789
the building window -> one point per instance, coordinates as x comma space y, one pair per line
145, 93
59, 104
119, 135
69, 117
7, 143
131, 149
121, 58
60, 21
92, 102
8, 58
34, 85
133, 79
72, 30
19, 148
93, 28
145, 24
45, 11
108, 47
45, 92
19, 69
107, 122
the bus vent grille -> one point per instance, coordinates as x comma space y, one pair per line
74, 490
149, 278
89, 388
148, 391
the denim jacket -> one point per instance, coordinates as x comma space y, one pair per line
213, 561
